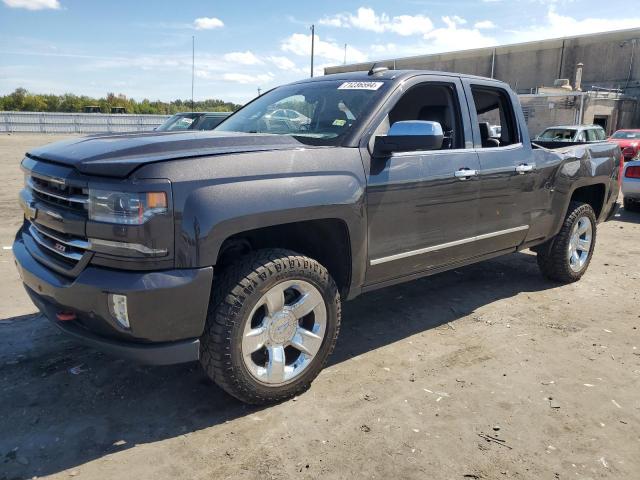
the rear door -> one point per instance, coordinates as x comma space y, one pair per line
421, 210
507, 169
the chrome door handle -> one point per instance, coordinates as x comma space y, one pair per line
525, 168
465, 173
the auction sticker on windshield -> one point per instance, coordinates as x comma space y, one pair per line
360, 86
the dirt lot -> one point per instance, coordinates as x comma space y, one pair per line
421, 372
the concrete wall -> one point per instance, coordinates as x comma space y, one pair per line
542, 111
526, 66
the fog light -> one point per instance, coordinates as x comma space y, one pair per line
118, 309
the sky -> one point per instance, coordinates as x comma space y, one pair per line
143, 48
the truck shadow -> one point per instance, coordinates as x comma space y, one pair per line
64, 405
627, 216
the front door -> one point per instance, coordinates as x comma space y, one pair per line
422, 206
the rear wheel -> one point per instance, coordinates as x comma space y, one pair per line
273, 321
565, 258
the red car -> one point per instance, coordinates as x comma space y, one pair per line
629, 141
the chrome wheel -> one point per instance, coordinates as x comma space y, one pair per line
580, 243
284, 332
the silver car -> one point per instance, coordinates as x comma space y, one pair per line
631, 185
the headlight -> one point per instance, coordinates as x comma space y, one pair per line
129, 208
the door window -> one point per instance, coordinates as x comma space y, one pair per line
591, 135
435, 102
494, 116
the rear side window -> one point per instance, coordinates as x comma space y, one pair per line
495, 117
600, 134
591, 135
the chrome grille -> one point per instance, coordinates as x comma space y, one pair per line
56, 192
63, 247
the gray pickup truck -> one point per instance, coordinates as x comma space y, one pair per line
237, 246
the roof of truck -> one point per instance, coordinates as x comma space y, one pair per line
398, 75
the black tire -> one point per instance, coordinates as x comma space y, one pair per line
553, 256
234, 295
630, 205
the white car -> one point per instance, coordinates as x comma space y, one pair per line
631, 185
288, 116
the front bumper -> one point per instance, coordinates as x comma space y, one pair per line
631, 187
167, 309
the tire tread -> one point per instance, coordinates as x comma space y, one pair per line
233, 286
552, 256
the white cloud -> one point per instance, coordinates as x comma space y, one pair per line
453, 37
300, 44
558, 25
245, 78
410, 25
367, 19
33, 4
243, 58
484, 25
283, 63
207, 23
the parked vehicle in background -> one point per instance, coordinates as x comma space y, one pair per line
236, 247
193, 121
629, 142
566, 135
288, 118
631, 185
495, 131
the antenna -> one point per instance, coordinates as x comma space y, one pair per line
375, 69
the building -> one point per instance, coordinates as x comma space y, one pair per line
610, 76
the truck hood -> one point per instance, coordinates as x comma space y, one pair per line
117, 155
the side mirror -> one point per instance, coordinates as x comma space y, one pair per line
409, 136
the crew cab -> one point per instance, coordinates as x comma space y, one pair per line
237, 246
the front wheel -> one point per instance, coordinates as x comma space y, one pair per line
565, 258
273, 320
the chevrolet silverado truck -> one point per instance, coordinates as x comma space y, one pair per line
236, 246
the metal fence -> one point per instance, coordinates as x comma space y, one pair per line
46, 122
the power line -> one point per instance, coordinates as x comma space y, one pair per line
313, 34
193, 66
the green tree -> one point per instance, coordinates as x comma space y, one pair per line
22, 100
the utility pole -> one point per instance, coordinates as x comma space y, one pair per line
193, 66
259, 91
313, 34
345, 54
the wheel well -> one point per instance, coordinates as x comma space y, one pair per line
326, 241
591, 194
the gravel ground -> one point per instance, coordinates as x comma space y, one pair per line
485, 372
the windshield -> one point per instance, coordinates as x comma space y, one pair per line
621, 134
558, 134
316, 113
179, 121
